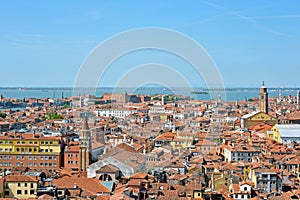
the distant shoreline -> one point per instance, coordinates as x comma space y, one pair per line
178, 88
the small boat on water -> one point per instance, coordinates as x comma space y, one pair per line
199, 92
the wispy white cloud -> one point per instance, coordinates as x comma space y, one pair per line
197, 22
249, 19
278, 17
26, 39
86, 16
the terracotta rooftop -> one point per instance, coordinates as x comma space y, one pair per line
108, 169
92, 186
20, 178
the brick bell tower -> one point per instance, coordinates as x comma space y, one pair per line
85, 145
263, 99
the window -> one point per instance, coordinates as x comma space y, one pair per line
19, 192
31, 185
6, 193
25, 184
245, 188
31, 191
23, 142
19, 184
9, 157
25, 192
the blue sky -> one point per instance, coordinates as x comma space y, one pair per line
43, 43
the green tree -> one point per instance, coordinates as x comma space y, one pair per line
2, 115
55, 116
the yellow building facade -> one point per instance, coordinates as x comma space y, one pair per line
20, 187
30, 150
274, 134
256, 118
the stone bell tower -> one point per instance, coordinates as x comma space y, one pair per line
263, 99
85, 145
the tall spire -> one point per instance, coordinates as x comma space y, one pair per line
85, 145
85, 125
